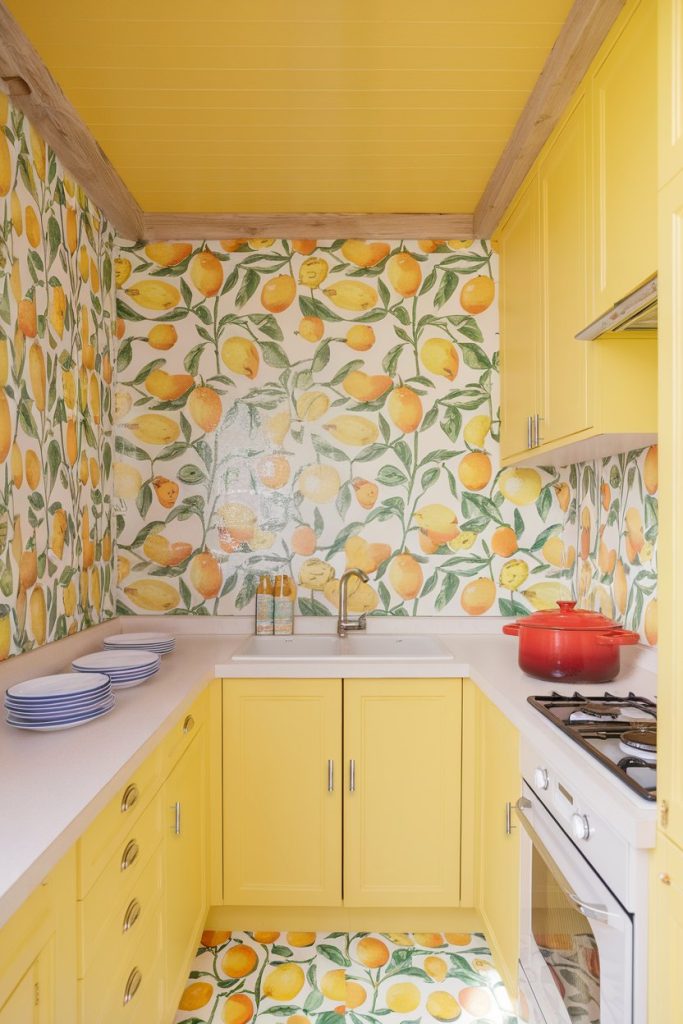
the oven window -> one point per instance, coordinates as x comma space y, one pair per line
566, 941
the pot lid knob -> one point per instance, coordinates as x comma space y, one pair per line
566, 606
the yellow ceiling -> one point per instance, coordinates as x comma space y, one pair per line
297, 105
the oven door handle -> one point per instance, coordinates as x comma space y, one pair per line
593, 911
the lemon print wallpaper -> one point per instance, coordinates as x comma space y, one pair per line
307, 406
56, 366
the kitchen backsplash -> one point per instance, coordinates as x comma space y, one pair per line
56, 445
304, 407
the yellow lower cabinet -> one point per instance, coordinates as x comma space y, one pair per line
499, 784
402, 792
282, 792
666, 934
38, 953
185, 903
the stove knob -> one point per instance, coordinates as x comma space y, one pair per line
581, 826
541, 778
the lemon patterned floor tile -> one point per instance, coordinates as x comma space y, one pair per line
360, 978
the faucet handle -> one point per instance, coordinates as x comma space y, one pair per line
363, 621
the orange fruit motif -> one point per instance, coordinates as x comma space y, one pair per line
205, 407
211, 938
161, 337
168, 254
206, 575
238, 1009
404, 274
366, 492
476, 1001
196, 995
26, 318
372, 952
355, 996
278, 293
360, 337
273, 471
405, 409
475, 471
406, 576
239, 961
436, 967
304, 540
432, 940
266, 938
478, 596
311, 328
166, 490
304, 246
504, 541
477, 294
364, 254
206, 273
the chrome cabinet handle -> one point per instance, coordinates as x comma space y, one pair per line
130, 855
131, 915
594, 911
537, 430
132, 985
330, 776
529, 432
508, 819
352, 776
175, 827
188, 725
130, 797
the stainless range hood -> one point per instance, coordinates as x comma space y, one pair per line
636, 312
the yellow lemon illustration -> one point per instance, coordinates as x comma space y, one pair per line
405, 409
232, 244
33, 231
311, 328
284, 982
32, 469
277, 426
554, 553
351, 295
16, 465
313, 272
206, 575
5, 165
563, 495
354, 997
300, 939
278, 293
239, 961
400, 938
260, 243
406, 576
477, 295
38, 151
443, 1006
205, 407
28, 569
372, 952
364, 254
476, 430
436, 968
5, 427
459, 243
319, 483
650, 623
36, 366
266, 937
16, 213
365, 387
546, 594
123, 403
153, 595
154, 294
440, 356
238, 1009
403, 997
311, 405
168, 386
356, 431
404, 273
650, 473
366, 491
168, 254
196, 995
361, 596
513, 574
57, 310
478, 596
206, 273
361, 555
241, 356
439, 522
333, 985
38, 614
432, 940
5, 635
155, 428
314, 574
360, 337
520, 486
162, 337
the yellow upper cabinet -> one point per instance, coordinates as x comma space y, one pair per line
282, 792
670, 91
402, 792
520, 321
623, 84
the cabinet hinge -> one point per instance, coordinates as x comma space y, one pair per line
36, 994
663, 813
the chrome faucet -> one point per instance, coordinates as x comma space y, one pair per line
344, 623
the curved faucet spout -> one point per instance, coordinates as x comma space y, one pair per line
344, 623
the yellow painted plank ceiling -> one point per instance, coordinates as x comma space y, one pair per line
265, 106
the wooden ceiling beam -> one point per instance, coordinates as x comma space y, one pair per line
34, 91
161, 226
579, 40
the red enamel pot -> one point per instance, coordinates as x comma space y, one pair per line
570, 645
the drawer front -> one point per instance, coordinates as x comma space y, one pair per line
183, 732
97, 843
125, 868
118, 991
117, 929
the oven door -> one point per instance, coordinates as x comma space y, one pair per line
576, 943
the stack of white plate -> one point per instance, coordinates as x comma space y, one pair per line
124, 668
59, 702
160, 643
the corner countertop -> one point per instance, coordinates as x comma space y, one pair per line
53, 785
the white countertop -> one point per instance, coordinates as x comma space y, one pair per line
53, 785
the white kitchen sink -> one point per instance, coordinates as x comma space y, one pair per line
350, 648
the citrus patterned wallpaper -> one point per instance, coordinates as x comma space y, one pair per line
56, 445
306, 406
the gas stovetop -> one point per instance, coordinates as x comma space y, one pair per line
621, 732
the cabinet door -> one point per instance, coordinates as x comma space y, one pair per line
29, 1003
563, 177
185, 860
282, 792
624, 104
402, 792
670, 495
666, 934
520, 320
499, 783
670, 91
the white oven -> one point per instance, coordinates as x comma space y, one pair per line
576, 944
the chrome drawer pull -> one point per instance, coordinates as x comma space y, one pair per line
175, 827
330, 776
130, 855
131, 915
132, 985
352, 776
188, 725
129, 798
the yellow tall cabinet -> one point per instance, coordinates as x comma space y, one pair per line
401, 832
499, 880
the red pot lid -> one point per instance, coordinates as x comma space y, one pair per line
568, 616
